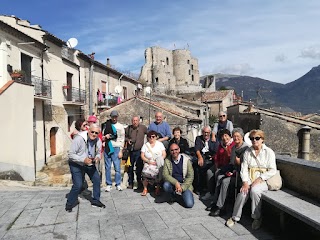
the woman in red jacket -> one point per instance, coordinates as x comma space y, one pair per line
221, 161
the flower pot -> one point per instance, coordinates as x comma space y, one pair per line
16, 75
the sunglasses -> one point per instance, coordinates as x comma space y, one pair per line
93, 132
176, 149
207, 132
222, 115
83, 125
153, 136
255, 138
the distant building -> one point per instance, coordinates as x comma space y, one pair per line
170, 71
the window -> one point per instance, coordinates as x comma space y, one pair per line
189, 72
192, 78
26, 66
69, 84
167, 61
103, 87
125, 93
191, 66
188, 61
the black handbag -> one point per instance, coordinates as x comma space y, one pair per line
125, 153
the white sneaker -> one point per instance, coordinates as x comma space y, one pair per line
206, 197
256, 224
119, 188
230, 223
108, 188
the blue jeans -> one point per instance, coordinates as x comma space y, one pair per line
135, 158
187, 195
108, 159
77, 172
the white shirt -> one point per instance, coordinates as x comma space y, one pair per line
266, 159
156, 150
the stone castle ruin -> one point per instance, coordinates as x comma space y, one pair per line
170, 71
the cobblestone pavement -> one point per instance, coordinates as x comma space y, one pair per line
38, 213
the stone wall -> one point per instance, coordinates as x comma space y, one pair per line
300, 175
282, 136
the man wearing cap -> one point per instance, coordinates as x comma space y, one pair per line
162, 128
223, 123
113, 135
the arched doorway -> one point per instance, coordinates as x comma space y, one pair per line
53, 149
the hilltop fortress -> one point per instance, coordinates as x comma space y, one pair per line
170, 71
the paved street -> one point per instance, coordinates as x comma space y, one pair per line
38, 213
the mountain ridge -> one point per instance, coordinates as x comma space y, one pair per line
301, 95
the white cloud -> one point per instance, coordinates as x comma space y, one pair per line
240, 37
312, 52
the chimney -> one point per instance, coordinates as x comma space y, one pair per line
305, 142
108, 62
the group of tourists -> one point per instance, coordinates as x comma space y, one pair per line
221, 161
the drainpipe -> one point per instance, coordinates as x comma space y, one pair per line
43, 114
305, 142
90, 88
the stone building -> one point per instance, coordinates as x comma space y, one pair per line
284, 133
170, 71
215, 101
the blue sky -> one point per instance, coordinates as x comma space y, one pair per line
274, 40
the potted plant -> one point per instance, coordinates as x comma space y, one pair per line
66, 86
17, 73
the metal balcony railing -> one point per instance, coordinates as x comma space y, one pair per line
42, 87
67, 53
110, 102
76, 95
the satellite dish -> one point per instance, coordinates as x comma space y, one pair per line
72, 42
148, 90
118, 89
247, 139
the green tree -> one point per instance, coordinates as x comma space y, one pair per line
213, 119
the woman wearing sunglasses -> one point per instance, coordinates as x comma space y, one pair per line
259, 164
80, 125
153, 153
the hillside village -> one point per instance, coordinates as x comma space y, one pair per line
48, 83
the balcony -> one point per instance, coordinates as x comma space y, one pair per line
67, 53
108, 103
74, 96
42, 87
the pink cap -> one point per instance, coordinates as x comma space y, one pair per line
92, 119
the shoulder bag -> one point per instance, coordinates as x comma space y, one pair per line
150, 170
275, 182
125, 152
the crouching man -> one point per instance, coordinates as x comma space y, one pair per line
83, 155
178, 176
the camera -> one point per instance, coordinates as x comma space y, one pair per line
131, 146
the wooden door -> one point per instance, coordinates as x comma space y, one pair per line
53, 150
